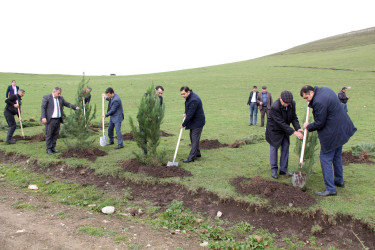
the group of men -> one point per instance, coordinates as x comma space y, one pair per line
261, 101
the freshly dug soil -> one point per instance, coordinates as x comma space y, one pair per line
134, 166
129, 136
87, 153
211, 144
275, 192
32, 120
348, 157
34, 138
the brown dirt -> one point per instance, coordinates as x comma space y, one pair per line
211, 144
348, 157
129, 136
34, 138
134, 166
88, 153
275, 192
32, 120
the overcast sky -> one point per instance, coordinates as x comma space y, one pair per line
138, 36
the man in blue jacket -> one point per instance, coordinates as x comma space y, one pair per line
334, 129
116, 113
194, 120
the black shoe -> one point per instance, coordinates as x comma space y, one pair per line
187, 161
55, 150
340, 184
284, 173
11, 141
261, 126
326, 193
198, 156
275, 176
119, 146
110, 143
50, 152
250, 124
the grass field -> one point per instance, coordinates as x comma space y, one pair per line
224, 90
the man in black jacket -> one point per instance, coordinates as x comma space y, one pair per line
282, 114
252, 102
13, 104
343, 98
52, 116
194, 120
12, 89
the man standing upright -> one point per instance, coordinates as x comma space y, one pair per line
343, 98
264, 101
12, 89
253, 105
14, 103
194, 120
334, 129
116, 113
282, 114
52, 116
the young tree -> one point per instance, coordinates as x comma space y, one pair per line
75, 128
150, 116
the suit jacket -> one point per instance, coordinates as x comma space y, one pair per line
10, 91
278, 123
195, 117
342, 96
48, 107
11, 101
251, 96
269, 100
115, 110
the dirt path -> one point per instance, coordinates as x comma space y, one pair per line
42, 228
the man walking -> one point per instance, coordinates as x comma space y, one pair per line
334, 129
116, 113
13, 104
343, 98
252, 102
12, 89
194, 120
282, 114
52, 116
264, 102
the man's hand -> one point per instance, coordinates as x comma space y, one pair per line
305, 125
247, 104
184, 115
300, 130
77, 108
103, 95
103, 116
20, 118
44, 120
348, 97
260, 103
181, 126
16, 106
298, 134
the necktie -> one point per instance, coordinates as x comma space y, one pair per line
58, 108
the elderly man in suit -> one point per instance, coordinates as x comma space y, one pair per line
12, 89
116, 113
52, 116
264, 101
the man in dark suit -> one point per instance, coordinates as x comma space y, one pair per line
14, 103
12, 89
52, 116
264, 103
194, 120
116, 113
282, 114
252, 102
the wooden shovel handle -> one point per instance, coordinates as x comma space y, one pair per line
19, 115
304, 138
103, 114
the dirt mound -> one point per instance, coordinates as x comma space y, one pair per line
129, 136
165, 134
34, 138
87, 153
134, 166
274, 191
348, 157
211, 144
32, 120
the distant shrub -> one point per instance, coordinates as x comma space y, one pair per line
364, 150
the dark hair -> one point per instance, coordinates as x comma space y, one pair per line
57, 89
344, 88
306, 89
13, 80
185, 88
255, 87
89, 88
159, 87
109, 90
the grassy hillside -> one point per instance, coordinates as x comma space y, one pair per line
224, 90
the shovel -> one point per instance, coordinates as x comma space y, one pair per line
103, 139
173, 163
19, 115
299, 178
84, 111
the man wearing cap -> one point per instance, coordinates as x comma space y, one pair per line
13, 104
281, 115
343, 98
264, 101
252, 102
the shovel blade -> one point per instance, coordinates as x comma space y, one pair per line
299, 180
172, 164
103, 141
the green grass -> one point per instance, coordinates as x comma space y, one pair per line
96, 231
224, 90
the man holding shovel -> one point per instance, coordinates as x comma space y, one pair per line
334, 129
13, 105
194, 120
282, 114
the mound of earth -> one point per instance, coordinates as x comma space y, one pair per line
211, 144
348, 157
275, 192
134, 166
34, 138
129, 136
88, 153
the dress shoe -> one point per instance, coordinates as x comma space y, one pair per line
11, 141
250, 124
110, 143
326, 193
50, 152
340, 184
198, 156
187, 161
55, 150
119, 146
284, 173
275, 176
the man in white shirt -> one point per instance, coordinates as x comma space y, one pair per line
252, 102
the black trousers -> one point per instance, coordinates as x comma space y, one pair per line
195, 136
52, 132
9, 116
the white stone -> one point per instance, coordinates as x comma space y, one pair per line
204, 244
20, 231
219, 214
33, 187
108, 210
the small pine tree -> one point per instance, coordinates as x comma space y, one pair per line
150, 116
75, 128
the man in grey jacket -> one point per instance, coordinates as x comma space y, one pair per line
264, 101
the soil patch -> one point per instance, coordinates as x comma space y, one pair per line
129, 136
88, 153
348, 157
34, 138
275, 192
134, 166
211, 144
